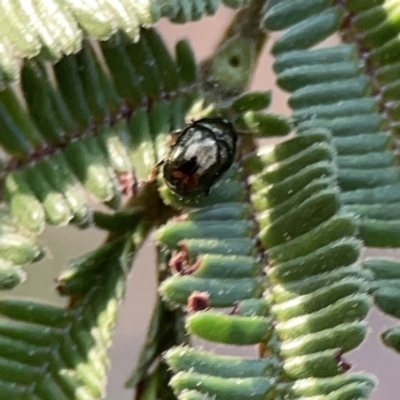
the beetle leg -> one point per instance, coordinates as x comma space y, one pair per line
174, 136
154, 170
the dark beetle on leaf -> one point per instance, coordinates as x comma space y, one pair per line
201, 154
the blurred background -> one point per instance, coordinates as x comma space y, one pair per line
66, 243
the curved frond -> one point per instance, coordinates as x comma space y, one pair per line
347, 89
90, 132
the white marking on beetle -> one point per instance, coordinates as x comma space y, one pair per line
204, 149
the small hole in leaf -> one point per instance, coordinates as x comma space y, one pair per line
234, 61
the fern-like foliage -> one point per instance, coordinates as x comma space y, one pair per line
50, 28
345, 89
91, 116
52, 352
311, 251
67, 140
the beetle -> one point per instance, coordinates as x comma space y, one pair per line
203, 151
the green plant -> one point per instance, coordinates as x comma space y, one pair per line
90, 96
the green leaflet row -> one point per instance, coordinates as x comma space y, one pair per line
385, 288
52, 28
317, 295
89, 133
49, 352
336, 88
315, 303
215, 263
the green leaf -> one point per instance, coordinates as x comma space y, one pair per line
68, 346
